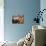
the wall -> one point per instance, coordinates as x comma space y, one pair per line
28, 8
1, 20
43, 6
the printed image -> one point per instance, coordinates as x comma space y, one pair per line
18, 19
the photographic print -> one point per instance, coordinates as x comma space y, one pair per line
18, 19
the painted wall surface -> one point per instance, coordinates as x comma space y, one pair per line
1, 20
28, 8
43, 6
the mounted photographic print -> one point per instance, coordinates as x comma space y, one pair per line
17, 19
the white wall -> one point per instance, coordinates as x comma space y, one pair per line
43, 6
1, 20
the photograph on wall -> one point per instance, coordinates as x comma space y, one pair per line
18, 19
